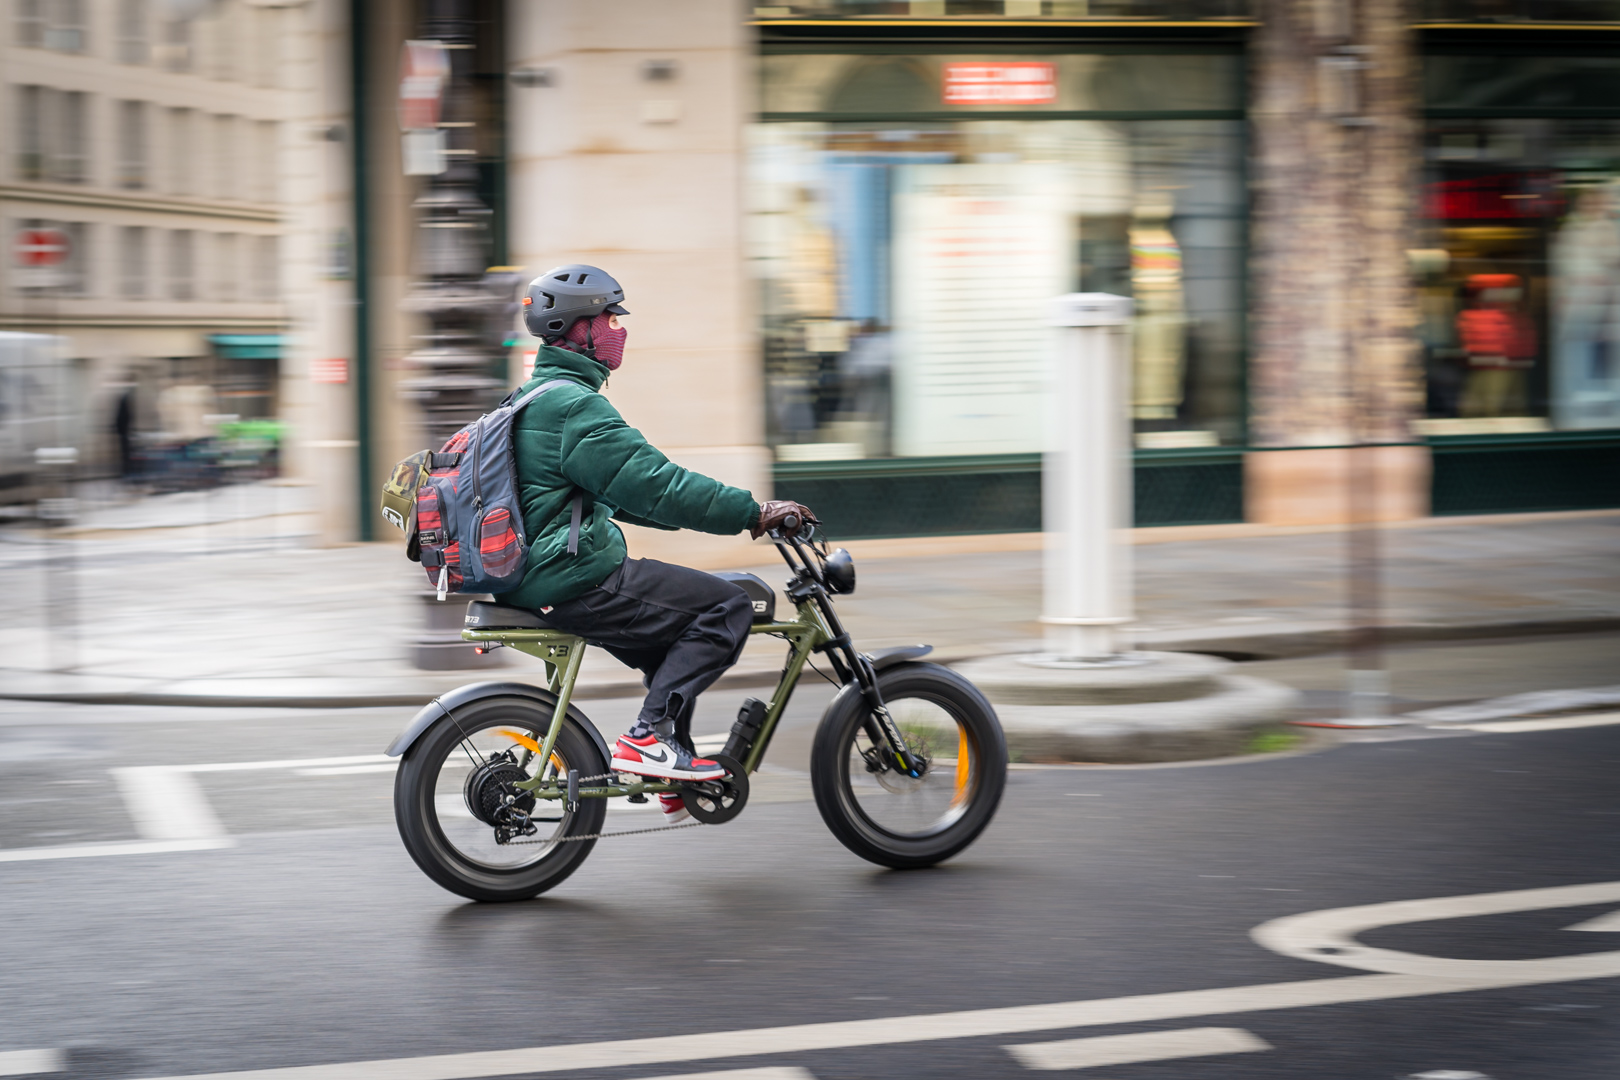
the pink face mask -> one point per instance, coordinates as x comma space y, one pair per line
608, 340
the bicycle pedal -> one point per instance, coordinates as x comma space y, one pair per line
638, 797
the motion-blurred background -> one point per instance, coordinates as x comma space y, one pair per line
267, 248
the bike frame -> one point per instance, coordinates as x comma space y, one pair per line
817, 628
562, 654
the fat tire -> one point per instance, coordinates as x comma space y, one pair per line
418, 822
829, 767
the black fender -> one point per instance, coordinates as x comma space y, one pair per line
900, 654
464, 695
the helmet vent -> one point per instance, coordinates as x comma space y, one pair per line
560, 277
554, 324
581, 279
551, 301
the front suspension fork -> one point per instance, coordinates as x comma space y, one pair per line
878, 723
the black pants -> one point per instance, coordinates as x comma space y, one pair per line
681, 628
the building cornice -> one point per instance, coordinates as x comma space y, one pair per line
146, 203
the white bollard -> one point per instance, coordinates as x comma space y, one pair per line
1086, 479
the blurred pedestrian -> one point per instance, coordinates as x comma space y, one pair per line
1501, 346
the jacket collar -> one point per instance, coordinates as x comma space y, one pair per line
551, 361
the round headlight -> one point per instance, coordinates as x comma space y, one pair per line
840, 572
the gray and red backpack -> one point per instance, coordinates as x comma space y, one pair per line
459, 505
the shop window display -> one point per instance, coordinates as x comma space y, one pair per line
904, 265
1520, 281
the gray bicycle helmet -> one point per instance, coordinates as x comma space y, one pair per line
565, 293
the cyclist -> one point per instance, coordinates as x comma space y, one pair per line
680, 627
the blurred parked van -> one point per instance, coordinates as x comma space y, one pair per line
36, 408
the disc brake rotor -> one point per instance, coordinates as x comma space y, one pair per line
896, 782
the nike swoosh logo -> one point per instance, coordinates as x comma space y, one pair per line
647, 752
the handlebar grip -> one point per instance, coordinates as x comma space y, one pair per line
791, 522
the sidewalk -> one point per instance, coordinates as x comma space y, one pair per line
236, 612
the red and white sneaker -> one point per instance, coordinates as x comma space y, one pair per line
674, 809
652, 755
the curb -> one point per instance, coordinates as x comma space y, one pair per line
1278, 642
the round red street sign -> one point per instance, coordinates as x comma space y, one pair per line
42, 247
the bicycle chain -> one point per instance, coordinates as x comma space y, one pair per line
603, 835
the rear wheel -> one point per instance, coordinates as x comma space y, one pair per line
896, 820
464, 822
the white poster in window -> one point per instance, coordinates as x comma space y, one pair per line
978, 250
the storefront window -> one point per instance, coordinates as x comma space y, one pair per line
904, 265
1520, 281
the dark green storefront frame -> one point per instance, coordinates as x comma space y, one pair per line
946, 496
998, 493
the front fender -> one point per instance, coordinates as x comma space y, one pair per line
899, 654
462, 695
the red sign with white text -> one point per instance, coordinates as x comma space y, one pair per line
1000, 84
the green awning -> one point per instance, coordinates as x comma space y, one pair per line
246, 346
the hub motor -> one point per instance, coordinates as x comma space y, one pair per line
490, 784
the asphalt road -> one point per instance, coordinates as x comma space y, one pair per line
314, 941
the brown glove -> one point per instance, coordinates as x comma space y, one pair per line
772, 514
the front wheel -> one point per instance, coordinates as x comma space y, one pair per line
466, 824
896, 820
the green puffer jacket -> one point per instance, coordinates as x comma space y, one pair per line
572, 438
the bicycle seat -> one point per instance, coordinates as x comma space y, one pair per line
483, 615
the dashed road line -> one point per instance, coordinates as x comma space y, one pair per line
1127, 1049
167, 803
171, 812
31, 1062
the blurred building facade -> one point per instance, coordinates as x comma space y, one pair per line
146, 143
838, 223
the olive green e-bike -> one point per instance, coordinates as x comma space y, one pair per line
503, 787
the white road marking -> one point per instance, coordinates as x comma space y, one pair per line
890, 1031
171, 812
31, 1062
167, 804
780, 1072
1552, 723
125, 847
1609, 923
1146, 1046
290, 763
349, 770
1537, 701
1329, 936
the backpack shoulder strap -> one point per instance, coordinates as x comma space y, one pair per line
576, 506
537, 391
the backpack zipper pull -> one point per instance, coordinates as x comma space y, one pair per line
444, 581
